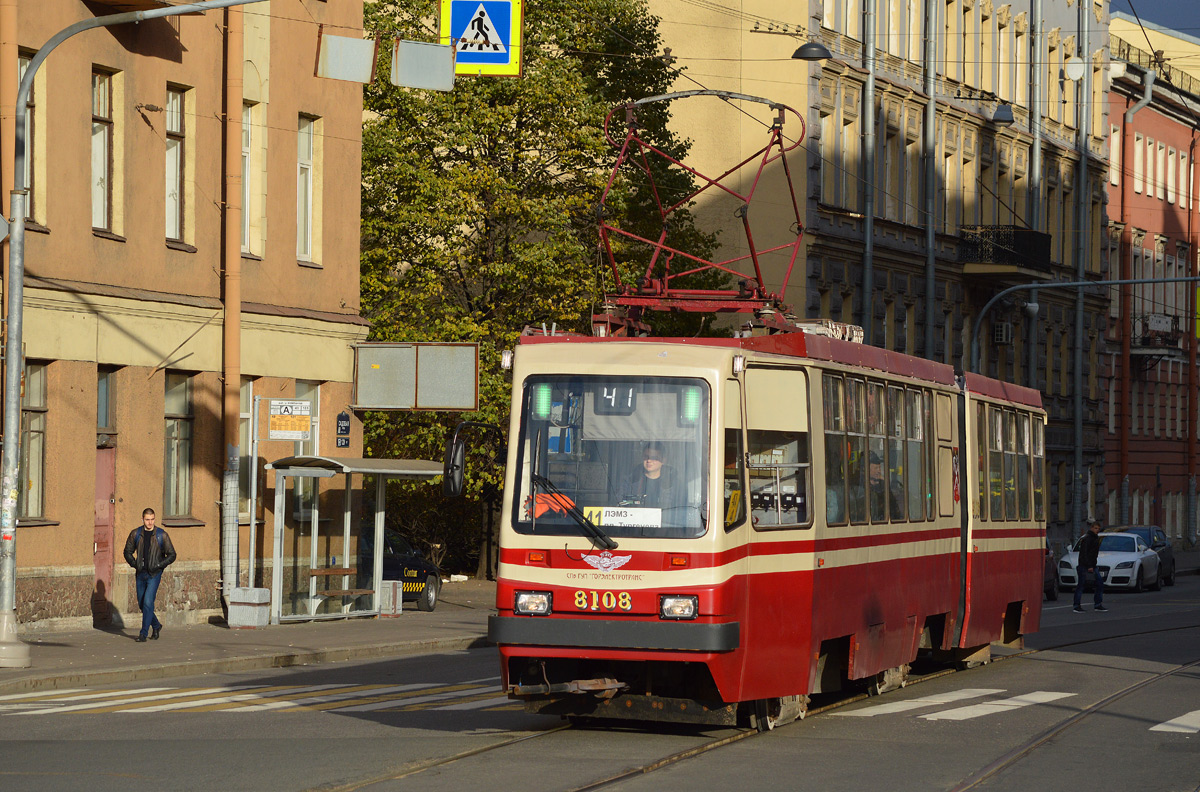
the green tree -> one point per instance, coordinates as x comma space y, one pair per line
479, 213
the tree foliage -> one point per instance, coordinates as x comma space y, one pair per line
479, 212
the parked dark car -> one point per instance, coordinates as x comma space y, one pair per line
1050, 574
401, 561
1156, 539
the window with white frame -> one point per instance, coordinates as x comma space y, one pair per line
32, 475
1171, 175
23, 62
245, 444
175, 164
177, 467
247, 141
1114, 155
304, 189
102, 150
1160, 172
1183, 180
305, 488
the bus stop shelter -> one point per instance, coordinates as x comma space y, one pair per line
312, 585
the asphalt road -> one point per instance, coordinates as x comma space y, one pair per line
1107, 701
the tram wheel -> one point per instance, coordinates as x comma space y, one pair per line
766, 714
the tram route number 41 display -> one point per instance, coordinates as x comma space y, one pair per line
486, 35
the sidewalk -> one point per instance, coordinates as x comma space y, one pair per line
98, 657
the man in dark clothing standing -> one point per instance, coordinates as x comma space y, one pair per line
149, 551
1089, 553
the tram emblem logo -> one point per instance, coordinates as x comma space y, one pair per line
607, 562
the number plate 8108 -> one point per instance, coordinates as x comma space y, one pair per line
603, 600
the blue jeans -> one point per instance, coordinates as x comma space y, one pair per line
1081, 575
147, 590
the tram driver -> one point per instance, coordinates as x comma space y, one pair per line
653, 483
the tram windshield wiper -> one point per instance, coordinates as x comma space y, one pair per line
589, 528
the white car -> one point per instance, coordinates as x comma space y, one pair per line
1125, 562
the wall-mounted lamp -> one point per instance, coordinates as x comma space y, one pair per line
1003, 115
812, 51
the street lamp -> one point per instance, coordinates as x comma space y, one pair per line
813, 51
1004, 115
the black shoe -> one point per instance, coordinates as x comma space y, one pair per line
1077, 609
140, 639
1100, 608
154, 633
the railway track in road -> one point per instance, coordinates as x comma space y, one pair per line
738, 735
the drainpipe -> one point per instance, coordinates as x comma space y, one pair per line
1083, 118
1125, 391
232, 296
930, 146
1036, 75
868, 114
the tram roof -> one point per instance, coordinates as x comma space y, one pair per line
834, 350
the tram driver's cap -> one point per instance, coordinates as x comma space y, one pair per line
876, 459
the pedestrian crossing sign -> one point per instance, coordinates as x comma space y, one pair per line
486, 35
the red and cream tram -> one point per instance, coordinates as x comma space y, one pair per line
694, 529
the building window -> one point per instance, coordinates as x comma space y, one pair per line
1114, 156
104, 399
245, 443
1160, 167
30, 493
177, 470
304, 189
247, 141
23, 62
1171, 175
305, 487
175, 164
102, 150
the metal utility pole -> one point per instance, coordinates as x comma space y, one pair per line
1083, 197
13, 652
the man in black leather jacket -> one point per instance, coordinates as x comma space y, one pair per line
149, 551
1089, 552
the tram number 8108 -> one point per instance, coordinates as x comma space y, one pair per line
603, 600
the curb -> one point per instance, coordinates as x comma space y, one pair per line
243, 663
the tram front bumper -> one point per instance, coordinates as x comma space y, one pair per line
614, 634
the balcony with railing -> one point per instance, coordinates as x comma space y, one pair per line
1005, 250
1157, 335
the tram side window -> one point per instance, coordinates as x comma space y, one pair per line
856, 446
1039, 471
835, 450
735, 505
877, 448
931, 480
895, 457
779, 476
996, 462
915, 447
1010, 465
981, 448
1023, 464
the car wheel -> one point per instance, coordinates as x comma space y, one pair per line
1170, 579
1158, 580
1140, 586
429, 595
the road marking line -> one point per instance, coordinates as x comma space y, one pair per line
332, 697
993, 707
87, 696
40, 694
1187, 724
261, 693
917, 703
490, 701
406, 703
96, 705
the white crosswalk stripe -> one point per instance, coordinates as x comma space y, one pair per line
1186, 724
39, 694
917, 703
209, 702
490, 701
994, 707
153, 697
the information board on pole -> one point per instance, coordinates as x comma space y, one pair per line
485, 34
290, 419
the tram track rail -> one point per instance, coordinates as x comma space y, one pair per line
1003, 762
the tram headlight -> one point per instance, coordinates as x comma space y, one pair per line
533, 603
672, 606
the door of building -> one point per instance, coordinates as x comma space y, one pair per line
102, 552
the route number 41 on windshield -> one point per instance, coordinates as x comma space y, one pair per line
486, 35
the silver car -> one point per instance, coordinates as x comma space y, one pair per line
1125, 561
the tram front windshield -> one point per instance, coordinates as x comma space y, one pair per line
630, 453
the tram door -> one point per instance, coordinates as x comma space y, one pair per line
780, 511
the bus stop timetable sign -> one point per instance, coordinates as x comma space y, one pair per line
486, 35
290, 420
